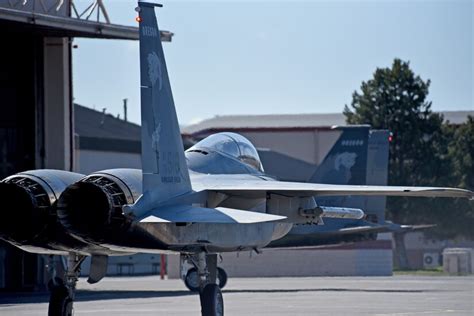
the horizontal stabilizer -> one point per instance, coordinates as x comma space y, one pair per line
387, 228
193, 214
410, 228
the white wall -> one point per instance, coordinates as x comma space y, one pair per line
309, 146
139, 264
301, 263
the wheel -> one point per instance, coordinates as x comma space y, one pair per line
212, 302
192, 279
53, 284
221, 277
60, 304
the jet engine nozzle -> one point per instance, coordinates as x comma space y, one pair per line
84, 207
92, 207
25, 209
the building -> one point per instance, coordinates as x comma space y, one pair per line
104, 141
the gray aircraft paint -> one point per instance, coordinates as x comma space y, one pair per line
339, 167
163, 162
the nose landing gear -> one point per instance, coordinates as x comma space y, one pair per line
210, 295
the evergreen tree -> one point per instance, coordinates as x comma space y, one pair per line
422, 151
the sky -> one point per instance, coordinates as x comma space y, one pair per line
281, 57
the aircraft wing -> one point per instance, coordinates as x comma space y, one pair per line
193, 214
249, 187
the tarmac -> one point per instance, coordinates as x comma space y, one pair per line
398, 295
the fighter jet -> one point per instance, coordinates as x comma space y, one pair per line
213, 199
346, 162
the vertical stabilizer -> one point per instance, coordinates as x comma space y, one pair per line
346, 162
165, 173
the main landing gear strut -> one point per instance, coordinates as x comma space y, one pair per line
212, 303
62, 291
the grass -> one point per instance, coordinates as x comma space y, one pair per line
428, 272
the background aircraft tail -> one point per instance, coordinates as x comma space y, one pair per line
346, 162
165, 172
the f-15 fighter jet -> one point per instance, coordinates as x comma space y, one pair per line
214, 199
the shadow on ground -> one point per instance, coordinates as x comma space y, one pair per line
97, 295
328, 290
88, 295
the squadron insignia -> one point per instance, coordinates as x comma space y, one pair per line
154, 70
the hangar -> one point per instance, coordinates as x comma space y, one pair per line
37, 121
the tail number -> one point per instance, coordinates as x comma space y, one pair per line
171, 168
149, 31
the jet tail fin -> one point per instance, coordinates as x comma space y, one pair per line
346, 162
165, 172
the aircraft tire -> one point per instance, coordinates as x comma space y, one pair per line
222, 277
60, 304
191, 279
212, 302
53, 284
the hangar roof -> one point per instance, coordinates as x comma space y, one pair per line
103, 131
33, 17
289, 121
267, 121
91, 123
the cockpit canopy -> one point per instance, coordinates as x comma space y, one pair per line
233, 145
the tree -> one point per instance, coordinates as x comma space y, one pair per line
461, 155
461, 152
396, 99
421, 151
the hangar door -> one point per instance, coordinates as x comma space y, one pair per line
20, 66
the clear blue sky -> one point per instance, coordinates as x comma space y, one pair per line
264, 57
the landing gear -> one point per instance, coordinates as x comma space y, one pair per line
191, 280
206, 274
212, 303
60, 303
62, 292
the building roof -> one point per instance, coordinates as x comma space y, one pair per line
267, 121
91, 123
99, 131
456, 117
289, 121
